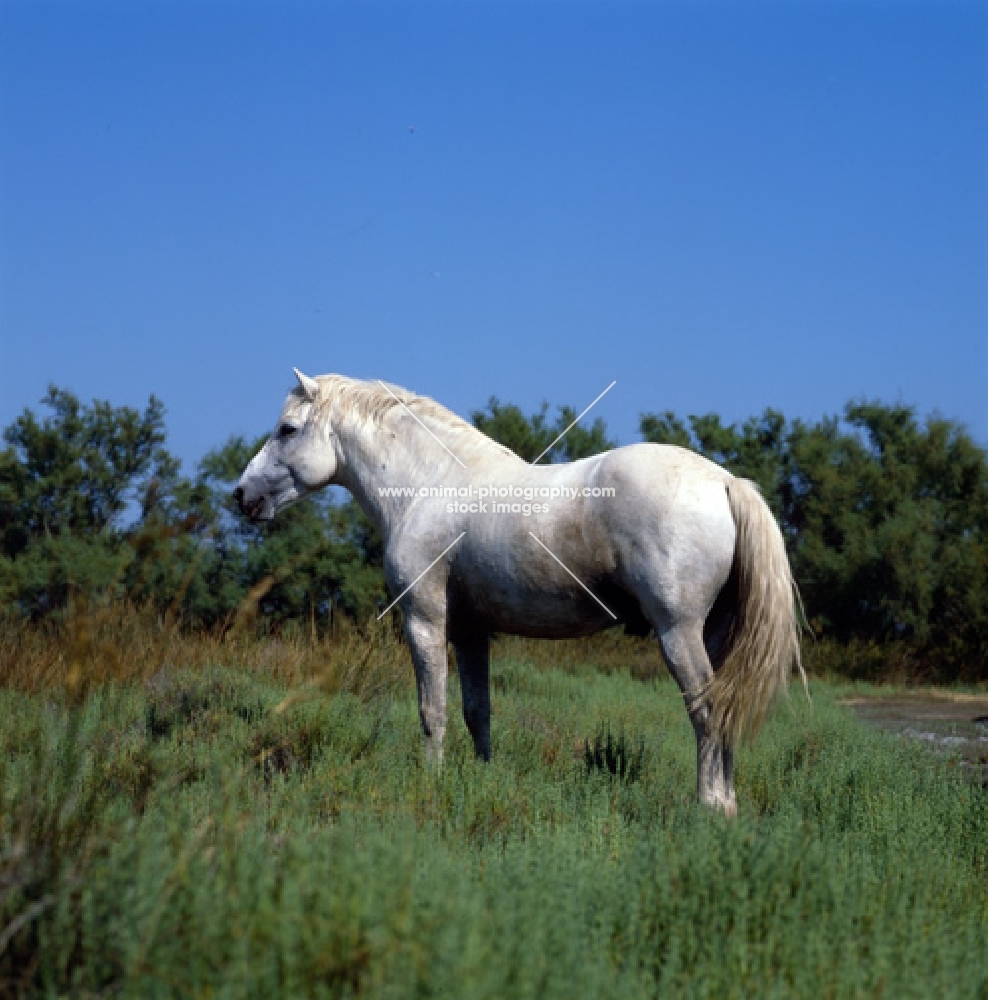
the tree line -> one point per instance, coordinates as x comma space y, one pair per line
885, 517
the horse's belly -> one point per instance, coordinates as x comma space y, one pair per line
543, 615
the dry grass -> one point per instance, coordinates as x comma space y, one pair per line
92, 646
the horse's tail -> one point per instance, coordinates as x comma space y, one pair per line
764, 640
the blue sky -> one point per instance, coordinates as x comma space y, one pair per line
724, 207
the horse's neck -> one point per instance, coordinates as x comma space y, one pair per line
371, 460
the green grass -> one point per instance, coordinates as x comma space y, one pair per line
205, 837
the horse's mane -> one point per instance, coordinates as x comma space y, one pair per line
353, 401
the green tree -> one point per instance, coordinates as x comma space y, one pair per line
315, 558
92, 503
534, 436
893, 524
579, 441
76, 470
66, 484
527, 437
885, 518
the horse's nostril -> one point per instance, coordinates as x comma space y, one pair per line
238, 496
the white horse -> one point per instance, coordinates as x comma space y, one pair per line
679, 546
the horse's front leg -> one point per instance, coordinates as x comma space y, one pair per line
473, 663
426, 635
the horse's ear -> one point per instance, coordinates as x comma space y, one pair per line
309, 385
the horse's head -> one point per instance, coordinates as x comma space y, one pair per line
297, 459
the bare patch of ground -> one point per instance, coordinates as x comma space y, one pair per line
949, 722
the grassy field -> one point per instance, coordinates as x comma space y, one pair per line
240, 830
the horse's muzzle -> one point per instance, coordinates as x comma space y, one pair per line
256, 509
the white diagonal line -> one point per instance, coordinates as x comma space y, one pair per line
575, 577
426, 429
419, 577
578, 419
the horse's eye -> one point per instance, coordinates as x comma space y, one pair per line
286, 430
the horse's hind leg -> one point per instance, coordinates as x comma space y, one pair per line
688, 662
473, 663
